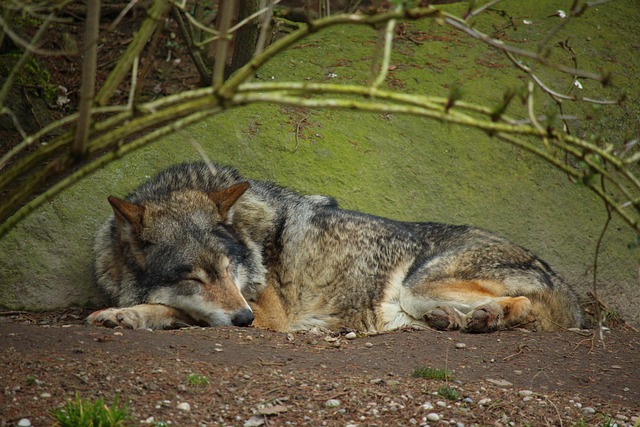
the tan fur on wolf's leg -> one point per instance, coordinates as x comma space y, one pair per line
269, 312
142, 316
498, 313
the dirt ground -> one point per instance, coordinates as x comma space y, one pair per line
252, 377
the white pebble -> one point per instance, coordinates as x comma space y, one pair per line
484, 401
184, 406
589, 410
525, 393
332, 403
441, 404
24, 423
427, 406
461, 345
433, 417
350, 336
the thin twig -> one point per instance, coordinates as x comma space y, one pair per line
223, 43
595, 268
298, 125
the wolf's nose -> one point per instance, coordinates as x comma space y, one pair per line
242, 318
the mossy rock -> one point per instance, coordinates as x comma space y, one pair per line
401, 167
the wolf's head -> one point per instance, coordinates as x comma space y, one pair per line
182, 251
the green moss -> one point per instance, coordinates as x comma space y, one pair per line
33, 76
402, 167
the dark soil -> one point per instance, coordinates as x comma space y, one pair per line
255, 376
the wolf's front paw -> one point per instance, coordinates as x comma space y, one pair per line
116, 317
444, 318
485, 318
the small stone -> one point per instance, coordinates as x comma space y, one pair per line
25, 422
461, 345
149, 420
254, 421
589, 410
499, 383
525, 393
441, 404
368, 344
432, 416
427, 406
332, 403
484, 401
351, 336
184, 406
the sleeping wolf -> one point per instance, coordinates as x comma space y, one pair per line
201, 245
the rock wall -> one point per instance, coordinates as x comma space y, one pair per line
402, 167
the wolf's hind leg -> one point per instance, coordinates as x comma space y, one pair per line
142, 316
498, 313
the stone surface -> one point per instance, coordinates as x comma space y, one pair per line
401, 167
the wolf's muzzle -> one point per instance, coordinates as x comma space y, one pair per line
242, 318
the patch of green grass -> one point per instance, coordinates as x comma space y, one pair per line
449, 393
82, 413
197, 380
432, 373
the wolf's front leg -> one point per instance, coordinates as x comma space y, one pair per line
142, 316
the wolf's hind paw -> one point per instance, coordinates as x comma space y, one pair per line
443, 318
486, 318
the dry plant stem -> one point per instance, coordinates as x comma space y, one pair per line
100, 163
386, 58
155, 14
87, 88
195, 53
194, 105
223, 43
16, 123
458, 24
554, 94
242, 75
264, 26
595, 270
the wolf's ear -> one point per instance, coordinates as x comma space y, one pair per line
225, 199
127, 213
